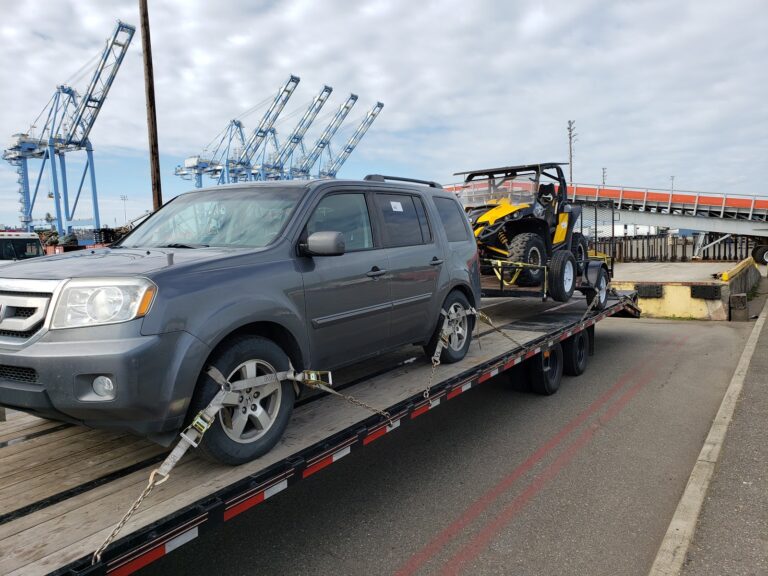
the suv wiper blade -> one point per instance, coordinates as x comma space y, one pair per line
181, 245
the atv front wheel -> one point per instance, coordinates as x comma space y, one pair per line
528, 248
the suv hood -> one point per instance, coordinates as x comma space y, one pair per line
111, 262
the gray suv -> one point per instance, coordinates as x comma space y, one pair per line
252, 279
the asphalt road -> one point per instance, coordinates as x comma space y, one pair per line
498, 481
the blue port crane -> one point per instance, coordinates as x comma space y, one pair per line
232, 158
335, 165
276, 169
69, 119
219, 164
323, 142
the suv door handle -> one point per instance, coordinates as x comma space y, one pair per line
375, 272
435, 261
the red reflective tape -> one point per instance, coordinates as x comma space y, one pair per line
420, 410
249, 502
488, 375
139, 563
374, 435
455, 392
317, 466
531, 353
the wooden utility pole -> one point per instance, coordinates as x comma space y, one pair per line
571, 139
149, 87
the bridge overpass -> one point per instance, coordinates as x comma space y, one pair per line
705, 212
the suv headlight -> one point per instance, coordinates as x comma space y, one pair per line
96, 301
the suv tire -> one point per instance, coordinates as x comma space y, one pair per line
455, 351
528, 248
244, 432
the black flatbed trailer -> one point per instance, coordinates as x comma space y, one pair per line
63, 487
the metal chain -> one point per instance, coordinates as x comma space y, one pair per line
320, 385
485, 318
131, 511
592, 304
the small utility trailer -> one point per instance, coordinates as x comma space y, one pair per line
63, 488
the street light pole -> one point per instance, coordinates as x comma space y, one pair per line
123, 197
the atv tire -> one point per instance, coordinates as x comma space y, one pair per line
561, 279
530, 249
580, 249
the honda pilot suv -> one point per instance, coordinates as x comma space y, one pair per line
252, 279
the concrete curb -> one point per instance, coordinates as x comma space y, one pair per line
674, 548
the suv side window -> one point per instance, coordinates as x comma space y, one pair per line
404, 218
346, 213
453, 218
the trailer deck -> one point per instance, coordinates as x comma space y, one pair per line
64, 487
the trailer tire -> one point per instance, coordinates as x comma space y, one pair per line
576, 353
546, 371
562, 276
580, 249
244, 432
760, 254
455, 351
600, 289
528, 248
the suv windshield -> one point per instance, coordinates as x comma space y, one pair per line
245, 218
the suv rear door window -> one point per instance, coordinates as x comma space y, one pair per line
345, 213
453, 218
404, 223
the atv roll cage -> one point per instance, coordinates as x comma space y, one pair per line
519, 184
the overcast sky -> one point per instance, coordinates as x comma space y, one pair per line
657, 87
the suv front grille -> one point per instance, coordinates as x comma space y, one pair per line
22, 314
21, 334
18, 374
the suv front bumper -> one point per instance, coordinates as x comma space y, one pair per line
154, 378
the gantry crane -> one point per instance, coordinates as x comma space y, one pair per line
69, 119
276, 169
335, 165
323, 142
231, 160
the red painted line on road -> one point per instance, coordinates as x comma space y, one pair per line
474, 547
471, 513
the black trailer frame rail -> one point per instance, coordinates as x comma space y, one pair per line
142, 547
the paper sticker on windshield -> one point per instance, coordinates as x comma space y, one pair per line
396, 206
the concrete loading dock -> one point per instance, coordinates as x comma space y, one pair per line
687, 290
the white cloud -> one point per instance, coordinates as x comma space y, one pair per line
656, 87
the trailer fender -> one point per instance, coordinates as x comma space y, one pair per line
591, 271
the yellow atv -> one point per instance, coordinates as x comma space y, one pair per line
523, 223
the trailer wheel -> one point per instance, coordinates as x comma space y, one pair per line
546, 371
760, 254
576, 354
562, 276
528, 248
600, 289
461, 325
580, 249
251, 428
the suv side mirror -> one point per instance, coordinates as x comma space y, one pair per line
324, 243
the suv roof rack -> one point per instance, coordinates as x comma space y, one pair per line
380, 178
